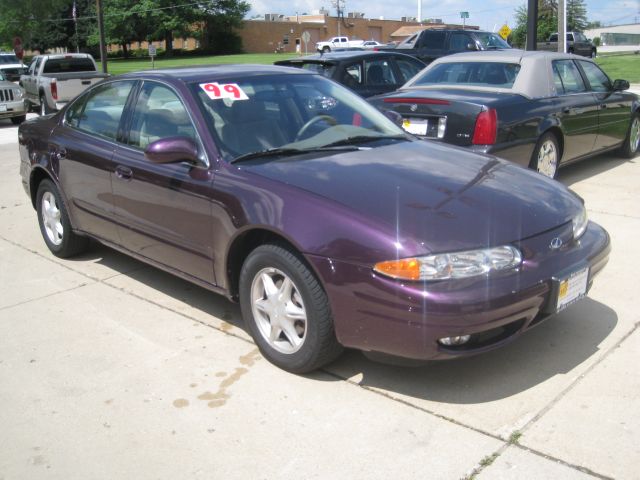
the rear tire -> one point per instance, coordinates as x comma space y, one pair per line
632, 141
546, 156
18, 120
286, 310
44, 108
54, 223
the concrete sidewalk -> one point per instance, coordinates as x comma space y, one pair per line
112, 369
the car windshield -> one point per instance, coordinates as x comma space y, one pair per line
289, 113
9, 59
491, 41
484, 74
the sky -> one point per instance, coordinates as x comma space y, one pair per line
487, 14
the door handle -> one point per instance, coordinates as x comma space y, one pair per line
123, 173
61, 153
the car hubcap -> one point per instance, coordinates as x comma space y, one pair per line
278, 310
548, 159
51, 218
634, 136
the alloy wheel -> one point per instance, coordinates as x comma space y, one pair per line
634, 134
51, 218
278, 310
548, 159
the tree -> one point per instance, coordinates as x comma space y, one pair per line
219, 20
25, 18
548, 20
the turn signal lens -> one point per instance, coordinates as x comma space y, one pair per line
445, 266
408, 268
580, 222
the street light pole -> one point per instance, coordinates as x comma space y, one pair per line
103, 47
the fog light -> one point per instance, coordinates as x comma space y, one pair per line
453, 341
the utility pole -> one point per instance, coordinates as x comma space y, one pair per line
419, 11
338, 5
532, 24
103, 47
562, 26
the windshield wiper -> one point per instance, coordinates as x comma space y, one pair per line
365, 138
273, 152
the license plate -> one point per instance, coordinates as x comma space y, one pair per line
572, 288
3, 108
417, 126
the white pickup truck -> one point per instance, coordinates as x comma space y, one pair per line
53, 80
338, 42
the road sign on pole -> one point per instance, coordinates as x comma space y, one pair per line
504, 31
306, 36
464, 16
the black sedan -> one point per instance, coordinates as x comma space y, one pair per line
366, 73
538, 109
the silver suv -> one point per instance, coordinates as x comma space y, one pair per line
13, 103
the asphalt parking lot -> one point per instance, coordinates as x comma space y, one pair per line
112, 369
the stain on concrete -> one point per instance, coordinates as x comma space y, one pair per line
250, 358
181, 403
193, 385
220, 397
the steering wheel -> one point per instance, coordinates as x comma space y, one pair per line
319, 118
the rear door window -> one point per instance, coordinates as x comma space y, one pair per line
101, 110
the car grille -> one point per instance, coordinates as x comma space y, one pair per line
6, 95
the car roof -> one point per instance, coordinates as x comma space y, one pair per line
505, 55
535, 79
213, 72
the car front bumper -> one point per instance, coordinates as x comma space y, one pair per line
14, 108
406, 319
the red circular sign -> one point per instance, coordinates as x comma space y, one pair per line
17, 47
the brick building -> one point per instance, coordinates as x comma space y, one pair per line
280, 33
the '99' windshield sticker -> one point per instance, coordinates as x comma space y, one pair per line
217, 91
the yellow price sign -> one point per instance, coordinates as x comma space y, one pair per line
504, 31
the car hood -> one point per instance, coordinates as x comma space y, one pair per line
441, 197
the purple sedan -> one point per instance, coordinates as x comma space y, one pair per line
331, 226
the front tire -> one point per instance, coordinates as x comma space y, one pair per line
326, 49
632, 141
546, 156
286, 310
54, 223
18, 120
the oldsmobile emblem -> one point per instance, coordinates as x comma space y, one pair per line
413, 107
555, 244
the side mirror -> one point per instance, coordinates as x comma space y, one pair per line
619, 85
394, 116
172, 150
472, 46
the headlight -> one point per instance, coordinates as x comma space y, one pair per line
580, 222
17, 93
445, 266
